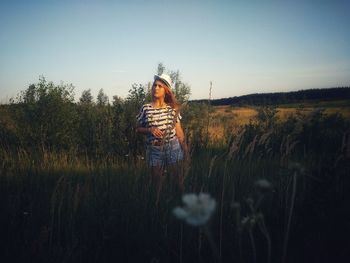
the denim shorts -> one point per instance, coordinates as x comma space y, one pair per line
163, 155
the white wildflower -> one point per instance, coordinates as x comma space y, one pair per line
197, 210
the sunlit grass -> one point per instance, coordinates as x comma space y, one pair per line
222, 117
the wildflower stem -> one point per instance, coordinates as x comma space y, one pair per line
239, 232
199, 244
181, 239
263, 229
286, 237
216, 253
253, 243
222, 210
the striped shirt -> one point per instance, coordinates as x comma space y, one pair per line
162, 118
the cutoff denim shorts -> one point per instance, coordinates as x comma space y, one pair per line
163, 155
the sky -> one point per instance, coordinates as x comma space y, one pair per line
243, 47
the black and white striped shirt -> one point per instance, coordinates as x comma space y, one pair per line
163, 118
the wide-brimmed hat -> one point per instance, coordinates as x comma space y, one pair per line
165, 78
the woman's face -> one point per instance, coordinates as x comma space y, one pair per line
158, 89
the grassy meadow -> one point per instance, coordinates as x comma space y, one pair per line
279, 176
222, 117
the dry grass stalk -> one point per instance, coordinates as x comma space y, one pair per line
251, 146
264, 138
212, 161
235, 144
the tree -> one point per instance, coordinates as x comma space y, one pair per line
46, 115
160, 69
132, 106
182, 91
137, 95
86, 98
102, 98
87, 123
119, 124
29, 94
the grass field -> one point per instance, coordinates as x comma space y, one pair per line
222, 117
281, 191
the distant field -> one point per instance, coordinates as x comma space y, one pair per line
228, 117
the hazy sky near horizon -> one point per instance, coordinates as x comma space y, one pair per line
243, 47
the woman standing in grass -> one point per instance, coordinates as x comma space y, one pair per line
160, 122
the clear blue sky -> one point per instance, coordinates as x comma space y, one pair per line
242, 46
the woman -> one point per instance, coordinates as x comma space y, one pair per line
160, 122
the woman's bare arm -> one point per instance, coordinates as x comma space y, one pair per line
181, 136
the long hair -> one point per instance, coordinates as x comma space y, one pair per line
170, 98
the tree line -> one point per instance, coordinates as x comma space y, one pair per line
261, 99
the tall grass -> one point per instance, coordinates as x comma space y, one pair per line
60, 207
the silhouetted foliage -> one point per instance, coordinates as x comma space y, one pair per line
340, 93
46, 116
102, 98
86, 98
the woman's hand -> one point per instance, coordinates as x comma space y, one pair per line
156, 132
